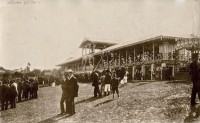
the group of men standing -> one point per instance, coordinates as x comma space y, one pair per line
70, 88
109, 83
16, 89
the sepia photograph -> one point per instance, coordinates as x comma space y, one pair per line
99, 61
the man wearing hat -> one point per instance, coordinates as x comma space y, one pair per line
71, 91
95, 83
64, 94
107, 83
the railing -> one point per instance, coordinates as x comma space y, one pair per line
183, 57
139, 60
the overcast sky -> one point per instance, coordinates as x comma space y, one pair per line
47, 32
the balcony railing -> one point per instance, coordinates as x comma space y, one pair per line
139, 60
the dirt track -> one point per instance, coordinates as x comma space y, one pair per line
139, 102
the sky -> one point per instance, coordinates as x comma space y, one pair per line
48, 32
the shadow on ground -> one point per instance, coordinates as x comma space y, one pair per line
142, 84
55, 119
107, 101
176, 107
178, 82
88, 100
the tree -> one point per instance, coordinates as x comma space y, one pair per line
17, 75
1, 68
37, 72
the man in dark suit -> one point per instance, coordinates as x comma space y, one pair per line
19, 88
95, 83
63, 96
194, 78
71, 91
4, 94
107, 83
115, 84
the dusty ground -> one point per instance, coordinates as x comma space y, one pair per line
140, 102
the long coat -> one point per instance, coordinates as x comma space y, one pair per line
95, 79
71, 87
194, 71
4, 92
108, 79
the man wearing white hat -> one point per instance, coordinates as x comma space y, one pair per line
71, 91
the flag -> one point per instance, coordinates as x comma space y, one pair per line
29, 64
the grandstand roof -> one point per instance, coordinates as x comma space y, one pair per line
131, 43
100, 44
70, 60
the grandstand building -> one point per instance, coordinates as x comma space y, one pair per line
160, 57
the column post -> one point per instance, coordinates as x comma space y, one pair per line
143, 53
126, 56
134, 55
153, 51
143, 72
133, 73
152, 70
119, 60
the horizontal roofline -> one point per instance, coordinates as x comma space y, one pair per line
98, 41
127, 44
71, 60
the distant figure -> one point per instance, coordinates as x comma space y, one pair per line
53, 84
13, 94
31, 90
26, 89
159, 75
126, 77
95, 83
35, 88
115, 85
102, 80
107, 83
19, 88
64, 94
141, 75
194, 78
4, 95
